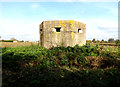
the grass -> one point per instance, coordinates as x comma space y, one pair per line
35, 66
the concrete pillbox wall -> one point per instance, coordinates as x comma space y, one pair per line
62, 32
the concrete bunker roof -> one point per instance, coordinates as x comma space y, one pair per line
62, 20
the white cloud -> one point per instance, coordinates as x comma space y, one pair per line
19, 29
26, 30
110, 26
34, 5
29, 30
100, 28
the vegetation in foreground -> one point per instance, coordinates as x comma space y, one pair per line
86, 66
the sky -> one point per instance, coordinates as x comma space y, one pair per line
21, 20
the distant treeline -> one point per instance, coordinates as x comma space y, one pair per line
110, 40
6, 40
10, 41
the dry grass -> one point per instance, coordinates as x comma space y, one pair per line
17, 44
13, 44
110, 46
105, 44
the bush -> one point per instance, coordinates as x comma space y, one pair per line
37, 66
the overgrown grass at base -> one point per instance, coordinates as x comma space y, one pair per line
35, 66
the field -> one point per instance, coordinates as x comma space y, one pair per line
14, 44
86, 66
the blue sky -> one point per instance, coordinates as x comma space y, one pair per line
21, 19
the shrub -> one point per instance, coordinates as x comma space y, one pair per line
37, 66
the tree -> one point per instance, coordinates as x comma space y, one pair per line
0, 39
93, 40
21, 41
111, 40
98, 41
88, 41
117, 42
105, 41
102, 41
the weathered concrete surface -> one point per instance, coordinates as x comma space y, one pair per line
68, 35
